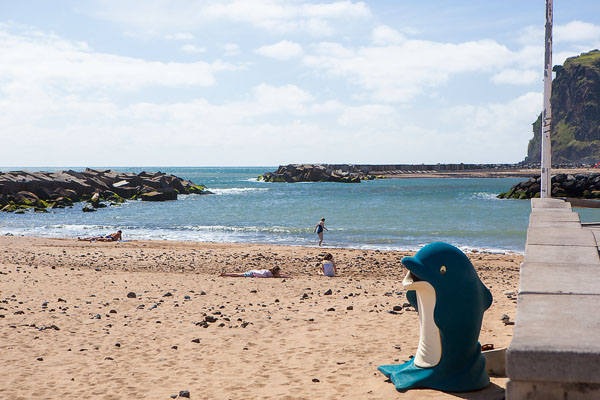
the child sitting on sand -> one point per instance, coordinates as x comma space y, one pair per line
328, 267
274, 272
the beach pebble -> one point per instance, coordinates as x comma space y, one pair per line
184, 393
195, 340
316, 380
131, 295
397, 308
509, 292
174, 347
168, 294
350, 308
328, 292
331, 309
40, 359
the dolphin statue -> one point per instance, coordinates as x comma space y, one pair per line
444, 288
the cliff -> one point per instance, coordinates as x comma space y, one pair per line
575, 132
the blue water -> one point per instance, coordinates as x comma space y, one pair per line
402, 214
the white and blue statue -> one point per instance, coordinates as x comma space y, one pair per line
451, 299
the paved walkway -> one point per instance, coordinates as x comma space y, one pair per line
555, 351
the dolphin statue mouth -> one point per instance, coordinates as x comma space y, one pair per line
429, 351
410, 279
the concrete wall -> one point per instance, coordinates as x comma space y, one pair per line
555, 351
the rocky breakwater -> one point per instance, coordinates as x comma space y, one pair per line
21, 191
315, 173
584, 186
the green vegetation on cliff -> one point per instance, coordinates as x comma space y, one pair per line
575, 102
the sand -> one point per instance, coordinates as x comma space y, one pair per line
69, 330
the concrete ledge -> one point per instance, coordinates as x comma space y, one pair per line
561, 215
559, 279
552, 391
552, 224
549, 254
556, 339
543, 218
559, 235
549, 203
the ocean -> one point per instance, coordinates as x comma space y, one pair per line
390, 214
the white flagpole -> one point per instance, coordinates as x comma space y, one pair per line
546, 190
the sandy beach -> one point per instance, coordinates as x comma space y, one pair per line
68, 328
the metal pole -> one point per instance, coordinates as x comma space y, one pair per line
546, 190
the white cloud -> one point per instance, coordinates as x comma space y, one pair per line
384, 35
231, 49
369, 115
401, 72
270, 15
288, 97
283, 50
190, 48
517, 77
75, 67
577, 31
490, 132
180, 36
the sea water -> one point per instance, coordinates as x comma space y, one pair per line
400, 214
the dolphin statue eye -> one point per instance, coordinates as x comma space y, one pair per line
443, 270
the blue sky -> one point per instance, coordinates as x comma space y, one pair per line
268, 82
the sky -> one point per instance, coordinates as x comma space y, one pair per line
271, 82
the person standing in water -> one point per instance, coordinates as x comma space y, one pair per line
319, 230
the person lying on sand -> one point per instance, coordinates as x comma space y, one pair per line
259, 273
113, 237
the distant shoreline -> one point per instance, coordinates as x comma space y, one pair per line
512, 173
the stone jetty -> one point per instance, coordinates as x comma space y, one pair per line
24, 190
355, 173
585, 186
313, 173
